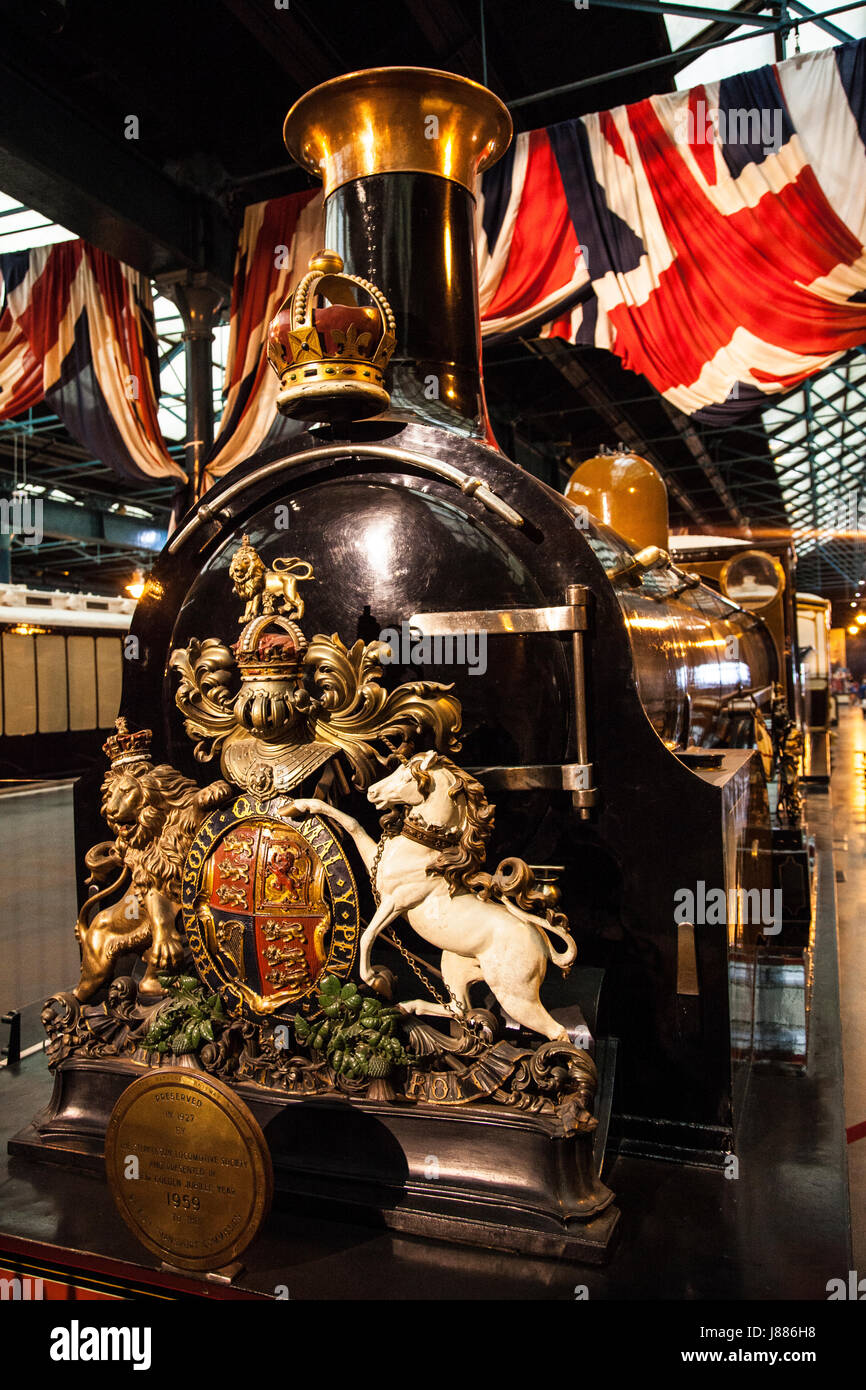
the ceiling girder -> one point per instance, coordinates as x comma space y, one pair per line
53, 160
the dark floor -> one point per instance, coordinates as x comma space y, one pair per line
38, 951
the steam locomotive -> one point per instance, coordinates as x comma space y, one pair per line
616, 721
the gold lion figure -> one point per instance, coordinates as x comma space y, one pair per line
265, 589
153, 813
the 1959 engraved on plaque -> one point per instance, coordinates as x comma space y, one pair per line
189, 1168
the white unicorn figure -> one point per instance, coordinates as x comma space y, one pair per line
429, 868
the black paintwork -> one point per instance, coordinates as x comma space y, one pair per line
389, 539
399, 540
68, 754
412, 236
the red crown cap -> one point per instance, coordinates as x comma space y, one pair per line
331, 358
127, 747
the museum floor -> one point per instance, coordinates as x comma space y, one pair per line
781, 1230
848, 797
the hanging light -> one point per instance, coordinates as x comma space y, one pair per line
135, 587
853, 629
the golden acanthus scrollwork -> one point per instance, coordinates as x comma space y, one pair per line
358, 713
274, 707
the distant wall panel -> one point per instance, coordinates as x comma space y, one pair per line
81, 665
51, 678
109, 678
19, 685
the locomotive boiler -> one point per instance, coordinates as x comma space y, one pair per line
613, 718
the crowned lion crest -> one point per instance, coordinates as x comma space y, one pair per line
268, 591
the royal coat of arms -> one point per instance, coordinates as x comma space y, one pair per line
268, 907
270, 904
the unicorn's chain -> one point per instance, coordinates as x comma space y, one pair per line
395, 940
374, 868
426, 982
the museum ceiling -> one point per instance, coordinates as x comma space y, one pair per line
210, 86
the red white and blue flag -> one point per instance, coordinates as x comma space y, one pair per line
713, 239
76, 330
276, 243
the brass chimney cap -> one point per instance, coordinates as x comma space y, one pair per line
397, 120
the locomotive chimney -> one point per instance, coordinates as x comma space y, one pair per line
399, 151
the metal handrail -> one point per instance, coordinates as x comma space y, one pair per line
471, 486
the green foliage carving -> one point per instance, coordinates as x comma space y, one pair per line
356, 1033
186, 1022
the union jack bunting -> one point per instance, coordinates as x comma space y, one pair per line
77, 330
276, 243
712, 239
20, 371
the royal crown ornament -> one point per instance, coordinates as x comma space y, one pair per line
125, 746
331, 357
272, 700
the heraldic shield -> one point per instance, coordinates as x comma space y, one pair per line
269, 905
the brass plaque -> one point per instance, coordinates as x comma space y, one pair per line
189, 1168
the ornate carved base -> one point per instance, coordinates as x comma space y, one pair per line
479, 1174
